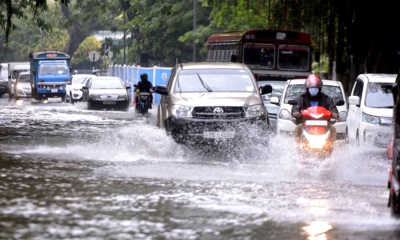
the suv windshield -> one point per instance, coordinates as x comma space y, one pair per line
379, 95
106, 84
293, 57
53, 69
214, 80
294, 91
259, 55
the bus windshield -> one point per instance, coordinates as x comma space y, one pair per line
53, 69
293, 57
259, 55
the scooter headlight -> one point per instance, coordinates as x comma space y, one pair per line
316, 141
182, 111
285, 114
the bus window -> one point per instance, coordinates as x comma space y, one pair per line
259, 55
293, 57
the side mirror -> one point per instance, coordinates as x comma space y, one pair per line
354, 100
84, 88
233, 58
266, 89
274, 100
68, 83
135, 85
161, 90
128, 87
340, 103
292, 102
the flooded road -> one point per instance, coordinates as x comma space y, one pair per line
70, 173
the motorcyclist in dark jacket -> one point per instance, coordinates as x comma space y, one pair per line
145, 86
314, 97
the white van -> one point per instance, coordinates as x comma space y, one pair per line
371, 109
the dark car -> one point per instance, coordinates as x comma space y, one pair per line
394, 153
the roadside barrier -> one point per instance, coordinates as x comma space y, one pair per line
131, 75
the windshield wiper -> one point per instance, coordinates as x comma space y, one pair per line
204, 84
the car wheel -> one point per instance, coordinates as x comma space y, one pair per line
63, 98
358, 139
346, 137
89, 105
66, 99
71, 99
394, 206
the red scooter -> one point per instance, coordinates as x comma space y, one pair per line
316, 136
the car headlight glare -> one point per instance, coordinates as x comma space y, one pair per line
255, 111
371, 119
182, 111
285, 114
342, 116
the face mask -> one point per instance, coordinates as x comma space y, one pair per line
313, 91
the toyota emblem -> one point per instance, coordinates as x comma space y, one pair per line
218, 110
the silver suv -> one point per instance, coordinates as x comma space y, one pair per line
212, 101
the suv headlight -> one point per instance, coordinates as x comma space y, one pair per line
285, 114
342, 116
254, 111
182, 111
371, 119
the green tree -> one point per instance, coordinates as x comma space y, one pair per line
80, 59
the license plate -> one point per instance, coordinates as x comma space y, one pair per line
54, 90
109, 103
219, 135
316, 123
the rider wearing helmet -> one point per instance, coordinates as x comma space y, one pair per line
314, 97
144, 86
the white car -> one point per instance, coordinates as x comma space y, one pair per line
293, 89
73, 90
106, 92
371, 109
22, 88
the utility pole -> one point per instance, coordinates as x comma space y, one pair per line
124, 39
194, 29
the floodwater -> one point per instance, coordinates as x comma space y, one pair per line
70, 173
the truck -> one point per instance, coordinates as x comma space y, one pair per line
14, 68
50, 73
3, 79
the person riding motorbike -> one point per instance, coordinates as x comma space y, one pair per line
144, 86
313, 97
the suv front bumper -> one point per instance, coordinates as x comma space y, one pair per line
196, 129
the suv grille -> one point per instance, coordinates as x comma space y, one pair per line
218, 112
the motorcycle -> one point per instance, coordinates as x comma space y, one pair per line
316, 136
143, 102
